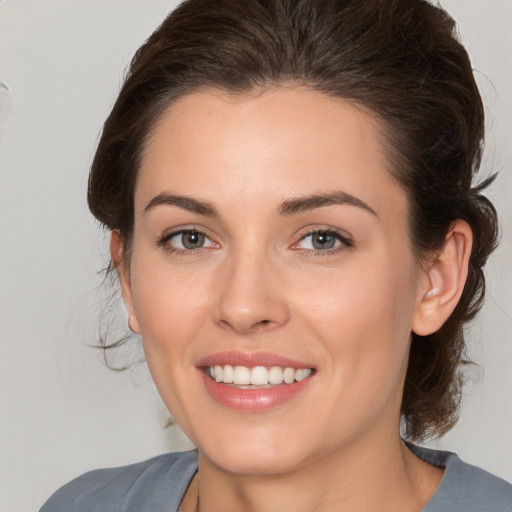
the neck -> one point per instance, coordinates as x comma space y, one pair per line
382, 476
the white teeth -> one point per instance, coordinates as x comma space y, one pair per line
228, 374
275, 375
258, 375
242, 376
289, 375
302, 374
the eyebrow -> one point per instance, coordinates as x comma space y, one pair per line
187, 203
288, 207
301, 204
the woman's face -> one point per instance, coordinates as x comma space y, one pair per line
271, 242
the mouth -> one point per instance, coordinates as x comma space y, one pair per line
257, 377
254, 382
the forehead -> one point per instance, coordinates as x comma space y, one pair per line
280, 142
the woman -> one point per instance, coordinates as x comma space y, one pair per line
289, 189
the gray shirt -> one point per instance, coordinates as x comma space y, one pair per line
159, 484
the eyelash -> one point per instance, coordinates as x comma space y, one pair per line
345, 242
164, 240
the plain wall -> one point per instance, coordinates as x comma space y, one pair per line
61, 411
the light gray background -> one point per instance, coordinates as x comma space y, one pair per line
61, 411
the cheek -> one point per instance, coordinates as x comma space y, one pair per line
171, 311
355, 296
363, 316
364, 329
170, 307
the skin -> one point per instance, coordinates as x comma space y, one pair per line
259, 285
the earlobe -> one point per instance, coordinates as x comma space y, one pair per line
117, 253
445, 279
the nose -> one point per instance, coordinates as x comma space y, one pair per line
251, 295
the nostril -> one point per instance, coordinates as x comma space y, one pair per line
261, 325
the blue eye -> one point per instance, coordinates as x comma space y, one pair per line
323, 241
188, 240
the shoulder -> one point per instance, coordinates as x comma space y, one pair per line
155, 484
465, 488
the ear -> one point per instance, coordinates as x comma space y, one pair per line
118, 255
446, 276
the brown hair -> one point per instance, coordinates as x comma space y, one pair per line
399, 59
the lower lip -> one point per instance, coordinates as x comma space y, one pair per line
252, 400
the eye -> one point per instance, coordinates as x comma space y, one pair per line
323, 240
187, 240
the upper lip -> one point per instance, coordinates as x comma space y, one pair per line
250, 360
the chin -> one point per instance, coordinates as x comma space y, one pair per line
253, 451
254, 461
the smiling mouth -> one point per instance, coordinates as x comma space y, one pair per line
256, 377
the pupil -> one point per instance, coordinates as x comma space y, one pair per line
323, 241
193, 240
